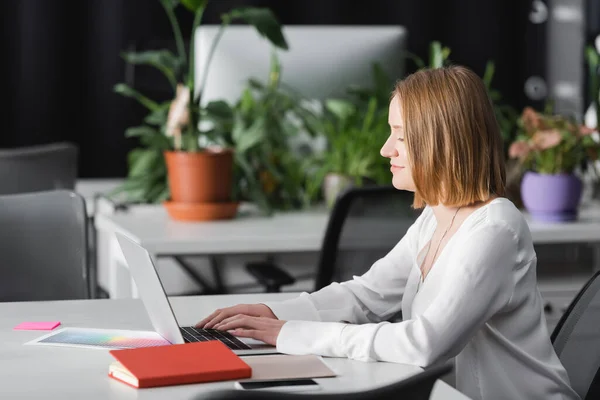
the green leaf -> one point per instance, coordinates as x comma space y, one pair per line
163, 60
494, 95
156, 141
140, 131
142, 188
247, 102
255, 84
264, 21
164, 195
445, 54
159, 116
219, 109
143, 162
370, 115
246, 138
255, 190
194, 5
342, 109
128, 185
489, 74
436, 56
416, 59
126, 91
310, 121
133, 156
170, 4
592, 56
156, 191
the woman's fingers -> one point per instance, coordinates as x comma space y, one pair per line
218, 316
202, 323
227, 320
239, 321
217, 319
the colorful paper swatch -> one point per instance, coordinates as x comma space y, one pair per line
37, 326
102, 338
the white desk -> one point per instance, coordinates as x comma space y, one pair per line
45, 372
289, 232
91, 188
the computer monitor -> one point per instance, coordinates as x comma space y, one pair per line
322, 61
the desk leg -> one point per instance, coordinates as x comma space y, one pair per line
207, 288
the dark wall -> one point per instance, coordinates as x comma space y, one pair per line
60, 58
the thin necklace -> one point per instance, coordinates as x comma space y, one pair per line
439, 243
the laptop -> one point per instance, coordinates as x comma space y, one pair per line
159, 309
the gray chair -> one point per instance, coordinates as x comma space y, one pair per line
576, 340
43, 247
364, 225
38, 168
416, 387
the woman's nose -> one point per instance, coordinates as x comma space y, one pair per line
389, 150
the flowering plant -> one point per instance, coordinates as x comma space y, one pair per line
553, 144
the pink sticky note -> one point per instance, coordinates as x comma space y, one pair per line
37, 326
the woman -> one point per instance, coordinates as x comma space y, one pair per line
464, 275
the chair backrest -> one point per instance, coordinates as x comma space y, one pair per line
43, 246
416, 387
38, 168
364, 225
576, 340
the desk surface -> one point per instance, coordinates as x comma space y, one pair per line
35, 372
91, 188
285, 232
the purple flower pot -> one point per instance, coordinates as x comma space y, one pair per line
551, 198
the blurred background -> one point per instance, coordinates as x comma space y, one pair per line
61, 58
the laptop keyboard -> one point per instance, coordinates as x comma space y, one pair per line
191, 334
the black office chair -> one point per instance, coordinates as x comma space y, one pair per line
576, 340
365, 224
38, 168
43, 247
416, 387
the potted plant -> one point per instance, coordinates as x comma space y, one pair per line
351, 158
181, 163
260, 127
552, 150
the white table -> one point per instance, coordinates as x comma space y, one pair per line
91, 188
45, 372
300, 231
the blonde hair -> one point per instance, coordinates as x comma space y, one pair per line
453, 140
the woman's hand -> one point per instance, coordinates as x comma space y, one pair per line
252, 310
264, 329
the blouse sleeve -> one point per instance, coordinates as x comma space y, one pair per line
478, 284
371, 297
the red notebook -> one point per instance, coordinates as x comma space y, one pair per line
177, 364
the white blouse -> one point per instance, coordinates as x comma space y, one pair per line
479, 304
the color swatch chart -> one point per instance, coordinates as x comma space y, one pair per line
102, 338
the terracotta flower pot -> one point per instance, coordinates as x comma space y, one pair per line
200, 177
